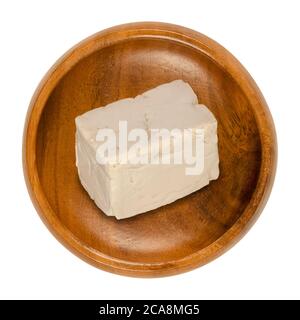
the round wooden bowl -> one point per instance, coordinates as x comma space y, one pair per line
125, 61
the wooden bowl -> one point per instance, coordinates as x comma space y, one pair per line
121, 62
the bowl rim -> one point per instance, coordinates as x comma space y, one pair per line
227, 62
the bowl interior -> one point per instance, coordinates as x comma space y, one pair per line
186, 226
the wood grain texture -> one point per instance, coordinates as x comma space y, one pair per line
121, 62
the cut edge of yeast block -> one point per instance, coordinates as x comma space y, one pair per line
125, 190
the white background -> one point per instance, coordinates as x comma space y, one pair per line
264, 36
